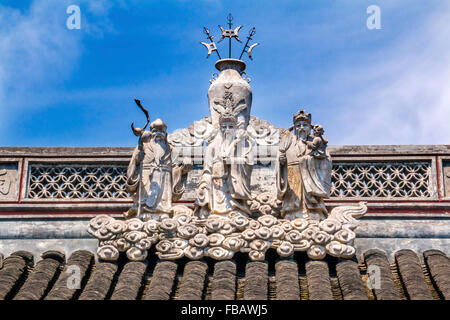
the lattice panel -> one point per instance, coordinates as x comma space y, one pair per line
382, 180
349, 180
77, 181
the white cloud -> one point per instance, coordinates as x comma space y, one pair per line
37, 51
33, 49
403, 96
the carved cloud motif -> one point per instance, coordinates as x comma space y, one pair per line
5, 182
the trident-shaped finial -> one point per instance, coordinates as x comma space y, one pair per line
210, 46
249, 51
230, 34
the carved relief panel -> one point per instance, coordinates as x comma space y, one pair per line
9, 180
446, 174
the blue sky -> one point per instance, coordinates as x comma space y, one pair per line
61, 87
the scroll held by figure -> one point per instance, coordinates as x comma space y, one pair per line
229, 213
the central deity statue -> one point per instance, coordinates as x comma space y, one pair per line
228, 163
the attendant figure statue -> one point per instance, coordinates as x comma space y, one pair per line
303, 170
154, 178
225, 183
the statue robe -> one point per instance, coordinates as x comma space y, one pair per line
304, 181
154, 181
225, 182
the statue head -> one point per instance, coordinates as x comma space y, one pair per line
158, 130
227, 125
302, 124
318, 130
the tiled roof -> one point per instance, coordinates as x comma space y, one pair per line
50, 278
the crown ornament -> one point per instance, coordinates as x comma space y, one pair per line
301, 115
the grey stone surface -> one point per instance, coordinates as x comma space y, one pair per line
125, 152
404, 228
43, 229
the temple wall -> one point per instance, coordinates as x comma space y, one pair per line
48, 195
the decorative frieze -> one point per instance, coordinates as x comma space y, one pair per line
382, 179
363, 179
75, 181
220, 237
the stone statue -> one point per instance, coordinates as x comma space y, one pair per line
153, 177
304, 171
227, 215
318, 145
225, 183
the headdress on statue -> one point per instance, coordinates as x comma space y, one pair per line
301, 115
159, 125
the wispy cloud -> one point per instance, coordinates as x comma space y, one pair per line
30, 58
37, 51
363, 86
401, 95
388, 86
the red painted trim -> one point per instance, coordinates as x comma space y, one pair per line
21, 179
33, 158
82, 202
387, 201
56, 213
77, 202
390, 155
190, 202
415, 211
96, 212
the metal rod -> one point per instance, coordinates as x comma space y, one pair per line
210, 37
250, 35
230, 18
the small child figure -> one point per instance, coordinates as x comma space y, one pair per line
318, 144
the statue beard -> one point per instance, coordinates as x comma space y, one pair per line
301, 133
159, 146
227, 137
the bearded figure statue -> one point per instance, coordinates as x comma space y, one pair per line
153, 177
225, 183
303, 170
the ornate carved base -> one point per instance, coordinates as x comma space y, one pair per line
217, 237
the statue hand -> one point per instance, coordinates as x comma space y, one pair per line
282, 159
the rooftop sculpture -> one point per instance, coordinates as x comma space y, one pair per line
228, 215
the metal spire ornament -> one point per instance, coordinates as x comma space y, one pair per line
210, 46
249, 51
230, 34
